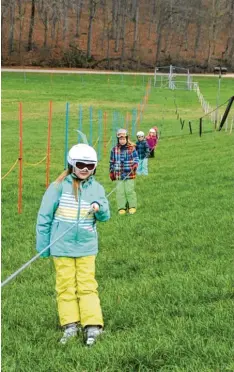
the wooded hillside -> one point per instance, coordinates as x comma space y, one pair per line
118, 34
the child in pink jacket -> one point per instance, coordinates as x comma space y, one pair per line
152, 140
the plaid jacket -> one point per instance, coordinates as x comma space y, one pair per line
122, 161
142, 148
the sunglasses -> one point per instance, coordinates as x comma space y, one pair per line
82, 166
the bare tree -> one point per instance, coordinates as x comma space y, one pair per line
118, 25
44, 11
4, 13
12, 26
123, 29
114, 18
152, 10
31, 26
229, 49
55, 20
21, 19
65, 7
92, 12
135, 20
215, 21
78, 8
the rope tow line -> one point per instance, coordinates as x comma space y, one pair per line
11, 169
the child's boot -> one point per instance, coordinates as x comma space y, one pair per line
91, 333
132, 210
70, 331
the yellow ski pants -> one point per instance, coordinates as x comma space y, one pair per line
76, 288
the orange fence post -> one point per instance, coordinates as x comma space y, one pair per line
20, 158
48, 146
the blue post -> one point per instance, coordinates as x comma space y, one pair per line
114, 126
90, 125
122, 121
100, 119
117, 120
80, 121
66, 135
134, 118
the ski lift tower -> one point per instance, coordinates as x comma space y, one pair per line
167, 77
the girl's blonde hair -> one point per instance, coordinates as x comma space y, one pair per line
130, 143
75, 181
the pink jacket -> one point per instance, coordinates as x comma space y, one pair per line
152, 141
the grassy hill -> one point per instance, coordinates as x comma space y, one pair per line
165, 274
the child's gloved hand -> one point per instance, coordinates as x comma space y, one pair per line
134, 167
95, 206
112, 176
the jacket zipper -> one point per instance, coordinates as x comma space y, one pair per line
78, 212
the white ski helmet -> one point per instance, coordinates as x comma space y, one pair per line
152, 130
122, 133
140, 134
82, 153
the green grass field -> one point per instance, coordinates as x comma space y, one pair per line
165, 274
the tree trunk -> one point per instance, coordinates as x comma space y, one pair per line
104, 22
152, 15
212, 32
12, 26
123, 38
92, 11
114, 18
57, 35
31, 26
21, 22
45, 30
65, 21
108, 46
117, 34
136, 19
79, 5
159, 34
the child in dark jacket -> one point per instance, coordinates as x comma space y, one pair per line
123, 165
143, 151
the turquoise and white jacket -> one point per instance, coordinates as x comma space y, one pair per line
59, 210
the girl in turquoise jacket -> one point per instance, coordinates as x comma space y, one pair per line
73, 203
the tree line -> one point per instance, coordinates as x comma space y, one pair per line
120, 34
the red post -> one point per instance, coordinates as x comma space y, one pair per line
48, 146
20, 158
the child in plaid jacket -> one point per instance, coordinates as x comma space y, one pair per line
123, 165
